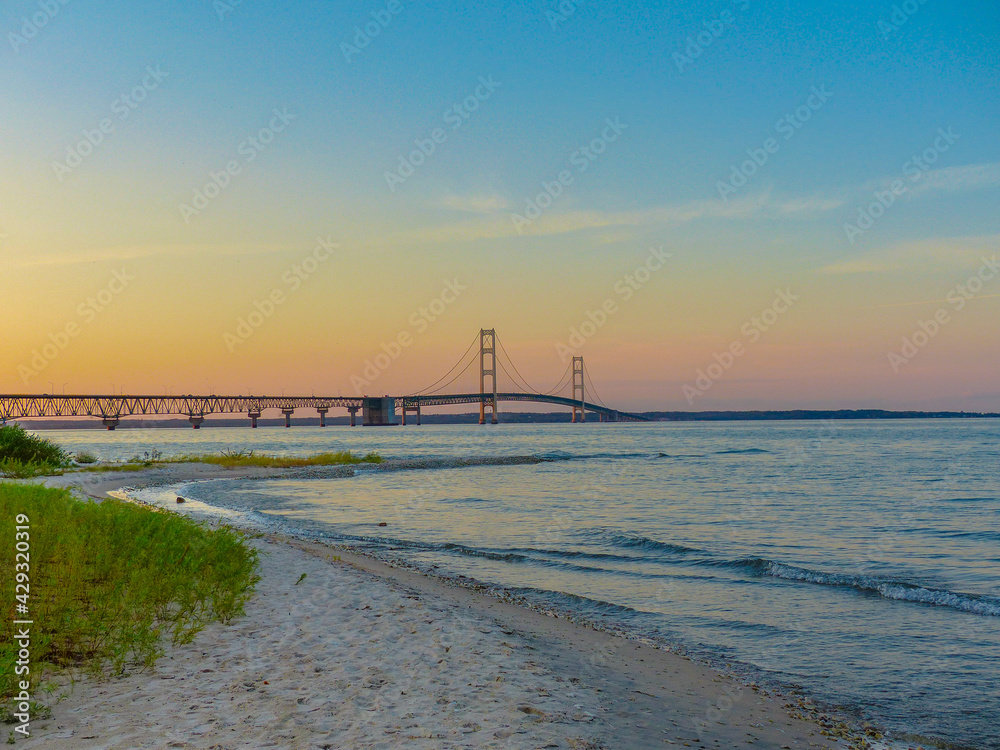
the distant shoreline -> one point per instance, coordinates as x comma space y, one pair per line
91, 423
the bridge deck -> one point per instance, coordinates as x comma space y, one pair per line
114, 407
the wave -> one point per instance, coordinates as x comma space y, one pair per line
968, 500
986, 536
737, 451
637, 541
564, 456
978, 604
760, 567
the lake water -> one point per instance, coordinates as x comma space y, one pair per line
857, 560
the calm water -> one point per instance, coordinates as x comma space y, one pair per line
858, 560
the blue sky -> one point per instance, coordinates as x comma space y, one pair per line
559, 78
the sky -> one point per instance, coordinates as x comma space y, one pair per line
725, 205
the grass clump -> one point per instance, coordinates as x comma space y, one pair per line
85, 457
235, 459
25, 455
109, 580
240, 459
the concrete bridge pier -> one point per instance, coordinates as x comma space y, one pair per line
288, 416
413, 408
322, 417
110, 422
196, 420
379, 411
354, 415
254, 416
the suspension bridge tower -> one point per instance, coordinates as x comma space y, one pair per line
578, 388
487, 350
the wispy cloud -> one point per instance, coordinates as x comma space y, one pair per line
492, 220
926, 302
474, 204
956, 179
808, 206
939, 254
496, 225
134, 252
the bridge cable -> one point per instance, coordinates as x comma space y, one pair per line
529, 387
460, 360
516, 384
593, 390
471, 362
560, 384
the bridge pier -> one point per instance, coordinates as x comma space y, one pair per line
354, 415
110, 422
379, 412
196, 420
413, 408
254, 416
288, 416
322, 417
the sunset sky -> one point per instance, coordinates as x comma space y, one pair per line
165, 171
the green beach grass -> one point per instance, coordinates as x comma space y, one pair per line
110, 581
25, 455
238, 460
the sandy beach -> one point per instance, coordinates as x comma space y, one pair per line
360, 654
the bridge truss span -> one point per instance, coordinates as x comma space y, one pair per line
112, 408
